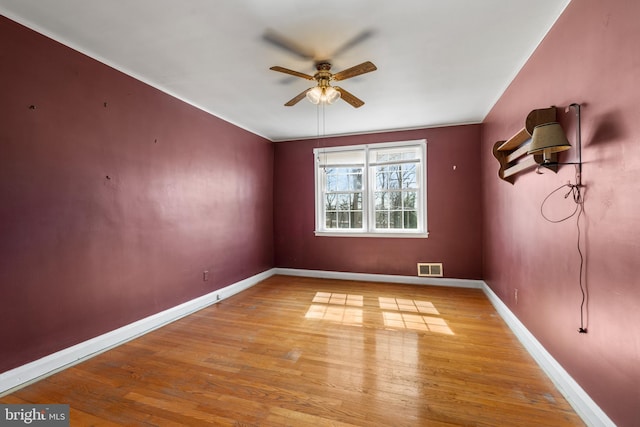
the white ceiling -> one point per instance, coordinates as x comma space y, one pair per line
440, 62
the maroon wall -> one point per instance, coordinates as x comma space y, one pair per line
590, 56
453, 198
114, 199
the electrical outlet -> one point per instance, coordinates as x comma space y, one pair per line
515, 294
205, 275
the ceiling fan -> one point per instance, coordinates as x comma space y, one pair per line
323, 91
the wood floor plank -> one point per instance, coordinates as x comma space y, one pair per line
302, 351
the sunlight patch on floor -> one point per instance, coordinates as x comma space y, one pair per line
397, 313
344, 315
410, 314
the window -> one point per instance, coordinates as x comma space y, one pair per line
371, 190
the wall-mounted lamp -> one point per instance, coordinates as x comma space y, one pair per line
549, 138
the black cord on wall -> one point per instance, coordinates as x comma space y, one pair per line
575, 192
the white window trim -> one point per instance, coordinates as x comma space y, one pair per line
421, 232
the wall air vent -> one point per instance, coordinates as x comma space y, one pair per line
430, 269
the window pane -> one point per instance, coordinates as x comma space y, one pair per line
343, 220
382, 219
330, 202
356, 201
342, 181
331, 180
395, 219
355, 180
410, 219
353, 201
396, 199
381, 179
410, 199
409, 179
330, 219
395, 177
343, 202
356, 219
381, 200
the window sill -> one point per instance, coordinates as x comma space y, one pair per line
396, 235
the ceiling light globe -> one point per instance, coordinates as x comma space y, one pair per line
315, 95
331, 95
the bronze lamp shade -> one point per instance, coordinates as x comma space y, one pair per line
548, 138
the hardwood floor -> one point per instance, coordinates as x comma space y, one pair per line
311, 352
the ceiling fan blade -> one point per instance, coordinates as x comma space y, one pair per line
365, 67
359, 38
297, 98
349, 97
286, 44
292, 72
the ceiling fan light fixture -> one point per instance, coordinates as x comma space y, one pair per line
330, 95
315, 95
326, 94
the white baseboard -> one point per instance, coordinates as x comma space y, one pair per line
387, 278
584, 406
48, 365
